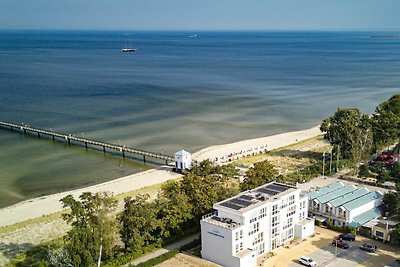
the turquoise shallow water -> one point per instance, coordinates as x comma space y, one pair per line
174, 92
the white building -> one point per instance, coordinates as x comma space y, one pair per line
253, 223
183, 160
344, 205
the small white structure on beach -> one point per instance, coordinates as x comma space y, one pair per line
183, 160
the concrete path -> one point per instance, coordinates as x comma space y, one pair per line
164, 250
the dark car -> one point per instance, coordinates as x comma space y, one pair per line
340, 243
368, 247
348, 237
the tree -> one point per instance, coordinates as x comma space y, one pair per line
351, 132
391, 203
138, 222
92, 225
261, 173
386, 122
203, 192
175, 208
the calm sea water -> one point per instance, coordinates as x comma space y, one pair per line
174, 92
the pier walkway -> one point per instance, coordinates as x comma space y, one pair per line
86, 141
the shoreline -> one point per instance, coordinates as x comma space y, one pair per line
37, 207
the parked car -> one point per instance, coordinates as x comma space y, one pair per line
307, 261
340, 243
368, 247
348, 237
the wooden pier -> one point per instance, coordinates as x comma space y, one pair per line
86, 141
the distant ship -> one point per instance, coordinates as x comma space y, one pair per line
193, 36
128, 50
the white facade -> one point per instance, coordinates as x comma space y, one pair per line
183, 160
253, 223
344, 205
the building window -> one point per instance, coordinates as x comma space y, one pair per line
237, 236
291, 200
379, 234
254, 228
253, 217
241, 246
237, 248
259, 238
263, 213
241, 234
290, 233
291, 211
274, 209
274, 232
261, 248
274, 221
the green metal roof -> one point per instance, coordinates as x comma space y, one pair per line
366, 217
324, 190
336, 193
362, 200
348, 197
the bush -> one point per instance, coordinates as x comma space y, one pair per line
317, 222
126, 258
363, 171
345, 230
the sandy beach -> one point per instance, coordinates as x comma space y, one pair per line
232, 151
37, 207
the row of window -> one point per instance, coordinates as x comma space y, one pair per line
239, 235
254, 228
239, 247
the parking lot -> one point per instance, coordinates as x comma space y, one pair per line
320, 249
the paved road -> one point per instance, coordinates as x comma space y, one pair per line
161, 251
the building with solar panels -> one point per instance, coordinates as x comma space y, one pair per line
253, 223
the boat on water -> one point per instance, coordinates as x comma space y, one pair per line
128, 50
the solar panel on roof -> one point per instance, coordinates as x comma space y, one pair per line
246, 197
230, 205
240, 202
277, 187
267, 191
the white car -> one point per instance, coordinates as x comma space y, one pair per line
307, 261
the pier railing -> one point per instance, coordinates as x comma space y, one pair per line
87, 141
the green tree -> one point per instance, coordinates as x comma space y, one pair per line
391, 203
203, 192
138, 222
92, 226
386, 122
261, 173
175, 208
350, 132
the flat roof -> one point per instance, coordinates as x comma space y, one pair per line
324, 190
336, 193
257, 195
348, 197
362, 200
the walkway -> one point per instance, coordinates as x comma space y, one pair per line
161, 251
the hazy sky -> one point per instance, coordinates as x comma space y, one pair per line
200, 14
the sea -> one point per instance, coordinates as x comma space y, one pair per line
179, 90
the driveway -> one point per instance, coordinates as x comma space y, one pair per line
319, 248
